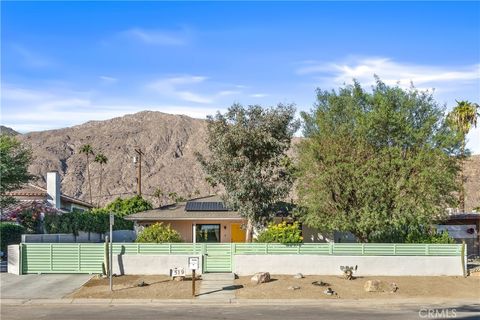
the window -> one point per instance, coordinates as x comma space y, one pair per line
207, 233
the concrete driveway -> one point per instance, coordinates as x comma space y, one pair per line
40, 286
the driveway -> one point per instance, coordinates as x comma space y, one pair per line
40, 286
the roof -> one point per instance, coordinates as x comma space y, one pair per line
31, 190
464, 216
178, 211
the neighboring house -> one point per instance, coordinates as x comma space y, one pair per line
51, 197
204, 219
464, 227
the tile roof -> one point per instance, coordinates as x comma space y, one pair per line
31, 190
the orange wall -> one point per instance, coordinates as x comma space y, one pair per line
185, 228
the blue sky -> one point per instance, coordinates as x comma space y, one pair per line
64, 63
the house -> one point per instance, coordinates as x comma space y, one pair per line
51, 198
204, 219
464, 227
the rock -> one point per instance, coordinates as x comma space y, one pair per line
380, 286
293, 288
260, 277
298, 276
142, 284
329, 292
320, 283
181, 278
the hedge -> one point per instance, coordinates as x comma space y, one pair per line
10, 233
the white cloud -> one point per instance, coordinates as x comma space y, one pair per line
157, 37
108, 80
391, 72
182, 87
258, 95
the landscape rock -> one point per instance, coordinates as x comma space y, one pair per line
260, 277
320, 283
293, 288
329, 292
298, 276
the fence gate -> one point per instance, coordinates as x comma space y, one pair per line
217, 257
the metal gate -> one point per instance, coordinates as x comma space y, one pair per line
217, 257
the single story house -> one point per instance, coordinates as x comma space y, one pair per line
204, 219
51, 198
464, 227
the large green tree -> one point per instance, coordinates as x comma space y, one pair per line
14, 162
247, 156
379, 164
462, 118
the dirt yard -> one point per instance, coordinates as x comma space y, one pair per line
125, 287
162, 287
408, 287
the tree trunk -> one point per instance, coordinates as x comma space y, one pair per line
462, 178
89, 181
249, 233
101, 184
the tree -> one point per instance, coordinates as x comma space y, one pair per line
159, 233
88, 151
247, 156
376, 164
14, 162
462, 118
122, 207
101, 159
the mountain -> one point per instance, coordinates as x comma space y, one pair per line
169, 143
8, 131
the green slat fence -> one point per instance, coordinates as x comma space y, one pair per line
89, 257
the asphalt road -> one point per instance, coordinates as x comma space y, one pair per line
236, 312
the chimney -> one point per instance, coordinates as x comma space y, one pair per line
53, 189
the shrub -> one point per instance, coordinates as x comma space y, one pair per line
122, 207
96, 220
159, 233
281, 233
10, 233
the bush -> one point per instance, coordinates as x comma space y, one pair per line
122, 207
96, 220
10, 233
281, 233
159, 233
413, 234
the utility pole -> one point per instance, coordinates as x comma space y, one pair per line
138, 162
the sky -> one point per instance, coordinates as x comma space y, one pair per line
65, 63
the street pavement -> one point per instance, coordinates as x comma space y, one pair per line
40, 286
234, 312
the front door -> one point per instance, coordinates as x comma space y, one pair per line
238, 234
217, 257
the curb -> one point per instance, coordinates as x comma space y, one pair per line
367, 303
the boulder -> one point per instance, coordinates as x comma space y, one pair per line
298, 276
293, 288
260, 277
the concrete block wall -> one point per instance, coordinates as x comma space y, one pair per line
367, 265
142, 264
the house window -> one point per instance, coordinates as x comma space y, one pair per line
207, 233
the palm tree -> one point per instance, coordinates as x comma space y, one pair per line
101, 159
159, 194
88, 151
462, 118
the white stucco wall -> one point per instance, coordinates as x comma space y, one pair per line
13, 265
151, 264
330, 265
